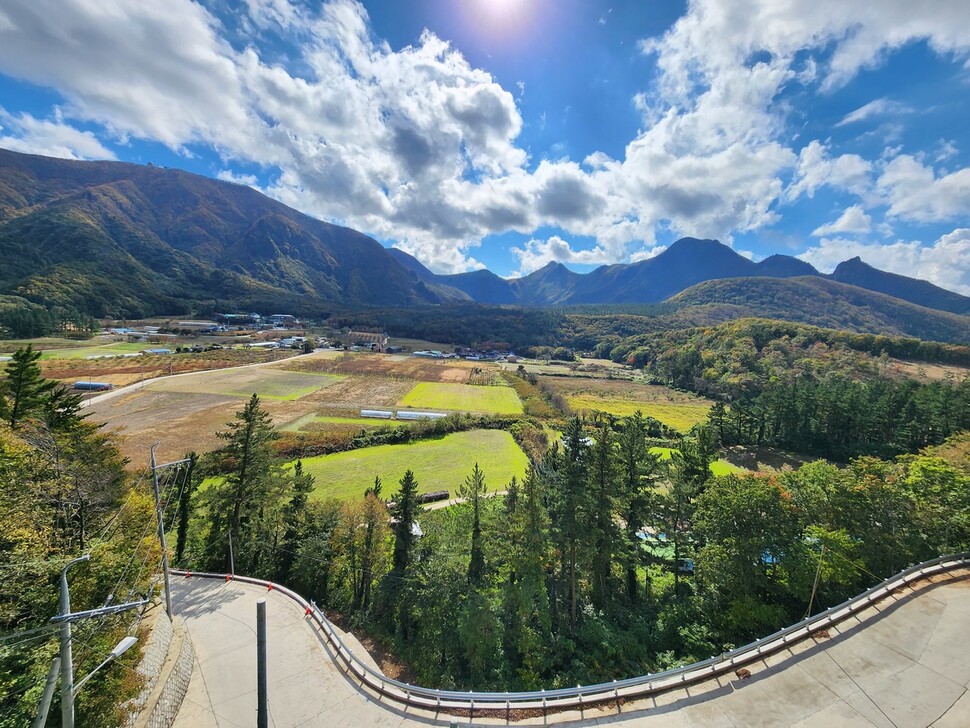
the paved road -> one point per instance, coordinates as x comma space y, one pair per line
905, 663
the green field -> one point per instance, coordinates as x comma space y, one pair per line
439, 464
101, 350
463, 398
311, 420
679, 415
718, 467
267, 382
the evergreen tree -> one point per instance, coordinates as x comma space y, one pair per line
244, 494
472, 490
23, 390
185, 508
405, 510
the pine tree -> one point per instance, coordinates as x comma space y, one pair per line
252, 469
472, 490
24, 389
405, 510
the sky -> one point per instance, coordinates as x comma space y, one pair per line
510, 133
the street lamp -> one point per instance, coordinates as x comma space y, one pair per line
67, 659
121, 648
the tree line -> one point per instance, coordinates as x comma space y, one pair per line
604, 562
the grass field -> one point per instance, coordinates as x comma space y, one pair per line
681, 416
439, 464
718, 467
267, 382
99, 350
463, 398
45, 343
679, 410
314, 421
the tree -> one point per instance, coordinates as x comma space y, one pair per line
405, 510
472, 490
244, 494
24, 389
639, 470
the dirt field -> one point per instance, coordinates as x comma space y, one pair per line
267, 382
924, 372
393, 366
121, 371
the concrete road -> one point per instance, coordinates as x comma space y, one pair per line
904, 663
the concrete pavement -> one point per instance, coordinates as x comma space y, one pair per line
904, 663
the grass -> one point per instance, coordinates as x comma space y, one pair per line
679, 415
439, 464
309, 421
268, 383
44, 343
101, 350
463, 398
718, 467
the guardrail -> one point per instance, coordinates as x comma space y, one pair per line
584, 695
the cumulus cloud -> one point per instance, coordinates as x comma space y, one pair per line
945, 263
417, 146
51, 137
853, 220
538, 253
914, 191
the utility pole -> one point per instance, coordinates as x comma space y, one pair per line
45, 702
232, 560
160, 514
262, 709
67, 659
161, 534
65, 618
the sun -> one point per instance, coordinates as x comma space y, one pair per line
504, 15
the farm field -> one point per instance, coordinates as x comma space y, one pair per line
393, 366
103, 349
622, 398
315, 421
500, 400
46, 343
267, 382
439, 464
718, 467
123, 371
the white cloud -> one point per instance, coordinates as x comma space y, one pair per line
913, 191
853, 220
418, 146
25, 133
817, 168
879, 107
945, 263
537, 253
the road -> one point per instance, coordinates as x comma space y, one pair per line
903, 663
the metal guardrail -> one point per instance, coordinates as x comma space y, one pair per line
584, 695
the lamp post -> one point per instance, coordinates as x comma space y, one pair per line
65, 618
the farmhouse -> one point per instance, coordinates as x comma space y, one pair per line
368, 340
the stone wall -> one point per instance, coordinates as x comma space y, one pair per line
166, 667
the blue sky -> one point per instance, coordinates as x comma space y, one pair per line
509, 133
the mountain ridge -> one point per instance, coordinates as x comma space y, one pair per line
120, 239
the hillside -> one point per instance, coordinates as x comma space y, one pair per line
822, 302
125, 240
857, 273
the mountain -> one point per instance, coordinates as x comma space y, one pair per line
126, 240
924, 293
118, 239
821, 302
